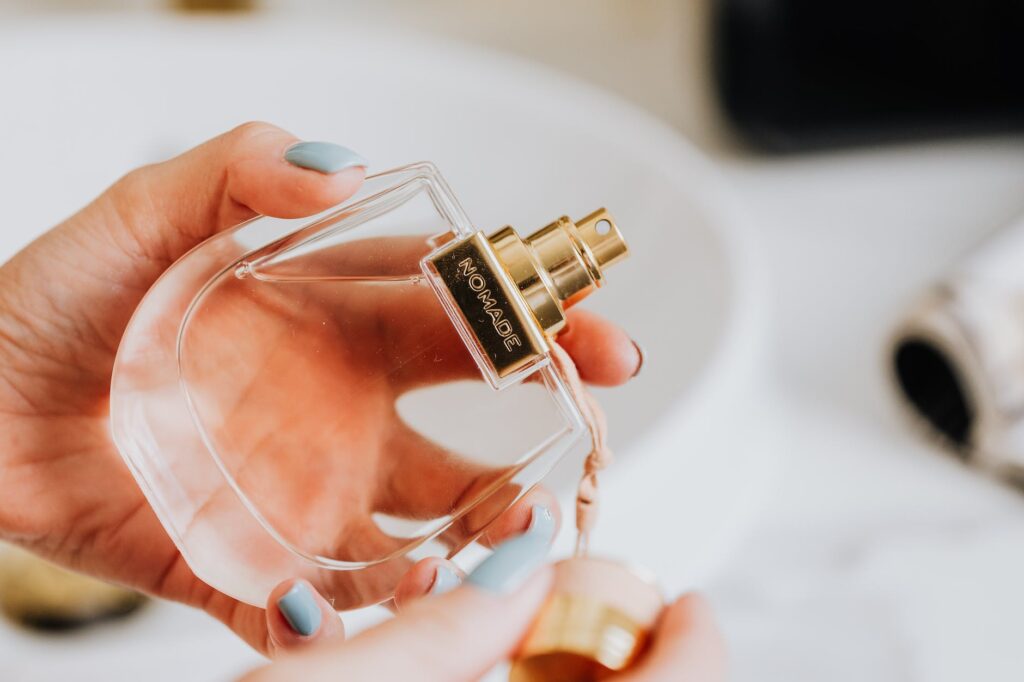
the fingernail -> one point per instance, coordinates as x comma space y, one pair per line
445, 580
299, 608
516, 559
325, 157
640, 362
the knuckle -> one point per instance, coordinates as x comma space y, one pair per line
127, 203
249, 130
132, 183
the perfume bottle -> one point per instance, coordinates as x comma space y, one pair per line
337, 397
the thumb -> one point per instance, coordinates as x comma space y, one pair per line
117, 246
159, 212
459, 635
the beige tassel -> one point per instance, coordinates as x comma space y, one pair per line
598, 458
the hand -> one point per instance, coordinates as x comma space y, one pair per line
462, 634
64, 303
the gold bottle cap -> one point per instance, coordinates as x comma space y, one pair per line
561, 263
596, 621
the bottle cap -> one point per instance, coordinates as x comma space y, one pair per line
596, 621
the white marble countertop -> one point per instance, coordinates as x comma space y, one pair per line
874, 556
877, 557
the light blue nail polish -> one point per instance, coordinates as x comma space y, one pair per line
299, 608
516, 559
445, 580
325, 157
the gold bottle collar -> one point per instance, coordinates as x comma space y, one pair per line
507, 295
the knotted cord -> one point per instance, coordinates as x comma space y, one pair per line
599, 456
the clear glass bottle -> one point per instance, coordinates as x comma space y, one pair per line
303, 398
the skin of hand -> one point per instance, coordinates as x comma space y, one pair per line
461, 634
65, 301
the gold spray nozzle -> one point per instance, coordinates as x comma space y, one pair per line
561, 263
601, 235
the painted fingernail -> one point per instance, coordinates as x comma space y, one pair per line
640, 360
325, 157
516, 559
445, 580
299, 608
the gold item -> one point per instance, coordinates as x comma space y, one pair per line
596, 622
512, 292
40, 595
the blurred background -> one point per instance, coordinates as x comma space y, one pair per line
820, 167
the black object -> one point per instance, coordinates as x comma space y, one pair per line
796, 74
933, 387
